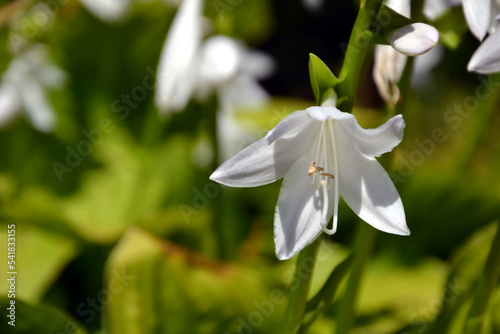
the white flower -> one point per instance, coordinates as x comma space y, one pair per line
191, 67
480, 16
323, 154
24, 84
486, 59
176, 73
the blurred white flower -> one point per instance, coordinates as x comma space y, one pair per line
176, 74
191, 67
24, 86
313, 5
107, 10
433, 9
323, 154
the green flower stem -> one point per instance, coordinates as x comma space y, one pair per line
222, 242
365, 240
485, 289
356, 52
299, 288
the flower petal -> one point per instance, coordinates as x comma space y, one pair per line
387, 70
486, 59
288, 125
263, 162
367, 189
176, 69
297, 220
477, 15
414, 39
374, 142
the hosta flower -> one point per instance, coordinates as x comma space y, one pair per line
323, 154
482, 17
24, 86
410, 40
190, 67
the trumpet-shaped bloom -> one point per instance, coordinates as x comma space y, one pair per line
323, 154
24, 86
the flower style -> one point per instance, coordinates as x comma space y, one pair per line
24, 85
323, 154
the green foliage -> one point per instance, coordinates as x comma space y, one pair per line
323, 81
119, 230
38, 319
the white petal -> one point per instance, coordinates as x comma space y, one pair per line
177, 67
374, 142
401, 6
263, 162
9, 103
107, 10
486, 59
296, 120
220, 59
243, 91
297, 220
387, 70
367, 189
258, 64
37, 107
327, 112
414, 39
477, 15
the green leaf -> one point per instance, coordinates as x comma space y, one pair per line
386, 22
36, 319
160, 287
40, 257
322, 79
320, 303
486, 287
466, 265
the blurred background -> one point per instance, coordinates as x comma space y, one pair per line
118, 228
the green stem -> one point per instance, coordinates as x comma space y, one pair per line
365, 240
299, 288
485, 289
218, 220
356, 52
